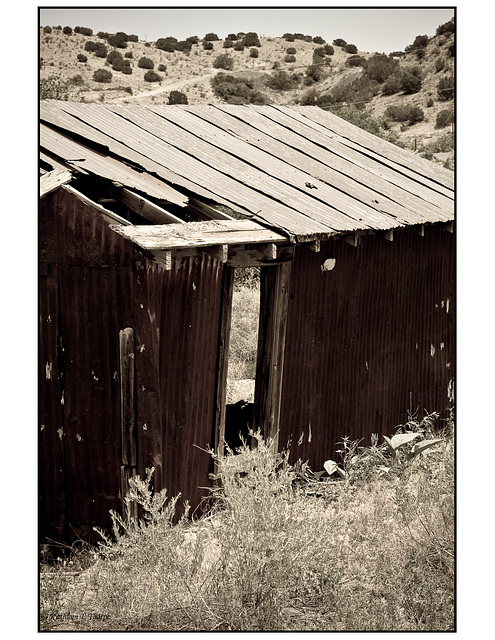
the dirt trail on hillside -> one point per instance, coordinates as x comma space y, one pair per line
165, 88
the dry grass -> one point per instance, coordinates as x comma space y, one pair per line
372, 551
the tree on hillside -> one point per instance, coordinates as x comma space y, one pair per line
177, 97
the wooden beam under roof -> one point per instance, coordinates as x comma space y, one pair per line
146, 208
210, 233
53, 180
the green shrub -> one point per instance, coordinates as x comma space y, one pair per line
291, 51
448, 27
411, 83
102, 75
318, 40
126, 68
162, 68
282, 81
152, 76
128, 54
54, 88
81, 57
439, 64
47, 29
166, 44
314, 73
224, 61
251, 40
90, 46
329, 50
101, 50
228, 44
355, 61
207, 45
379, 67
67, 30
338, 42
350, 48
444, 118
118, 40
77, 80
405, 113
184, 46
238, 46
253, 53
420, 42
114, 55
289, 59
236, 89
233, 36
146, 63
177, 97
211, 37
85, 31
446, 88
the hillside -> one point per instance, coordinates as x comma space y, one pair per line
292, 69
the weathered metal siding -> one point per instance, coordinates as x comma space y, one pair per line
96, 285
368, 339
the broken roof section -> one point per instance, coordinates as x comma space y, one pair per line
302, 172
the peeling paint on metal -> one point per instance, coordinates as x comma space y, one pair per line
48, 370
432, 350
79, 437
60, 433
450, 390
328, 265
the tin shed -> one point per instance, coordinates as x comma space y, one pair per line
354, 237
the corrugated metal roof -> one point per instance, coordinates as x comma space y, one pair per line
302, 171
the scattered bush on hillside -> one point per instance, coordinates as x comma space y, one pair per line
126, 68
254, 53
82, 58
411, 82
236, 89
152, 76
128, 54
451, 50
77, 80
318, 40
393, 84
47, 30
446, 88
54, 88
282, 81
146, 63
224, 61
329, 50
118, 40
404, 113
448, 27
289, 37
177, 97
355, 61
114, 55
289, 59
101, 50
233, 37
228, 44
444, 118
162, 68
439, 64
192, 39
102, 75
251, 40
350, 48
420, 42
379, 67
238, 46
338, 42
184, 45
211, 37
90, 46
103, 35
314, 73
85, 31
208, 45
166, 44
67, 30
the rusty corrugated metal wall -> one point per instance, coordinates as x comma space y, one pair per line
92, 285
367, 338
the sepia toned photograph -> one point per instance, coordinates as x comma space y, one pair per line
247, 319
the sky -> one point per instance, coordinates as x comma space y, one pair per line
379, 29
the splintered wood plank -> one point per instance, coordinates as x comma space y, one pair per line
275, 284
127, 397
198, 234
146, 209
223, 360
53, 180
